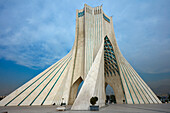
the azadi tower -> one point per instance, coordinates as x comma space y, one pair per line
95, 58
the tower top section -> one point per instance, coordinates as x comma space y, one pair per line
85, 5
93, 11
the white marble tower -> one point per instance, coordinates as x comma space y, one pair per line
95, 58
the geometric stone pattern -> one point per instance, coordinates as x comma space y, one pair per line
96, 60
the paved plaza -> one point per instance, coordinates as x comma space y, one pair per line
114, 108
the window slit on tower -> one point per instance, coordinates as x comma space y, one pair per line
107, 19
80, 14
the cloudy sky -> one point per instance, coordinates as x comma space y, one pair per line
36, 33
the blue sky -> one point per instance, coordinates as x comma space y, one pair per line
36, 33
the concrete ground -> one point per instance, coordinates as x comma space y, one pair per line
113, 108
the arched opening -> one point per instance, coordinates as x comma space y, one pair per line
114, 90
110, 95
80, 85
75, 90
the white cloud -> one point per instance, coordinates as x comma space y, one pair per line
39, 39
45, 31
35, 49
144, 36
